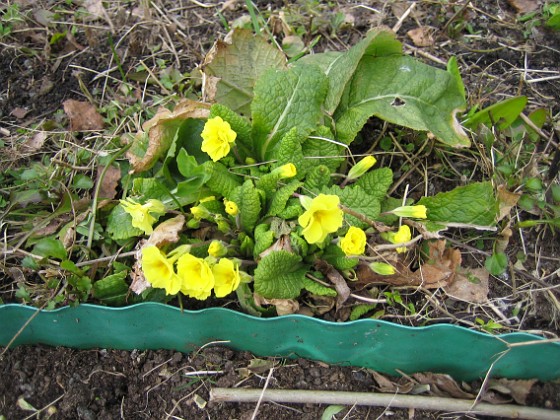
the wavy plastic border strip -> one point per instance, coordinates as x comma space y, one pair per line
379, 345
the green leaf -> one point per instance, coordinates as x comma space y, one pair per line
248, 200
283, 100
50, 247
403, 91
220, 179
281, 197
119, 225
335, 256
501, 114
340, 67
112, 290
263, 239
280, 275
319, 177
359, 311
82, 181
289, 150
319, 151
376, 182
240, 125
238, 65
453, 69
331, 411
355, 198
318, 289
471, 204
496, 264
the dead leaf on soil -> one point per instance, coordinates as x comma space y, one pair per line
517, 389
35, 142
525, 6
388, 386
507, 200
83, 116
342, 289
19, 113
422, 36
283, 306
469, 285
139, 282
158, 133
109, 183
442, 385
167, 232
95, 8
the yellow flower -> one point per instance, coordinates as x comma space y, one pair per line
196, 277
142, 213
288, 170
217, 249
231, 207
361, 167
382, 268
158, 270
417, 212
402, 235
217, 136
226, 276
322, 216
354, 242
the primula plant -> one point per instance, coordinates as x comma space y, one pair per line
254, 193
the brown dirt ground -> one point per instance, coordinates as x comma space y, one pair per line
37, 77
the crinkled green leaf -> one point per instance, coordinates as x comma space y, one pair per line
473, 204
248, 201
119, 225
318, 178
281, 197
355, 198
376, 182
280, 275
293, 209
318, 150
283, 100
359, 311
50, 248
501, 114
238, 65
221, 180
264, 237
112, 290
339, 67
336, 257
317, 288
289, 150
239, 124
403, 91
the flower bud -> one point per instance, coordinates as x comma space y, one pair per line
199, 212
382, 268
415, 212
361, 167
217, 249
286, 171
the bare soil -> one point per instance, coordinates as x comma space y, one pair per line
494, 52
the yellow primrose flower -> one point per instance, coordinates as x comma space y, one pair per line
416, 212
196, 277
158, 270
217, 249
382, 268
217, 136
142, 213
402, 235
286, 171
231, 207
354, 242
226, 276
322, 216
361, 167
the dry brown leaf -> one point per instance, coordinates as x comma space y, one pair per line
161, 130
422, 36
342, 289
282, 244
139, 282
167, 232
95, 8
109, 183
83, 116
524, 6
283, 306
517, 389
442, 385
507, 200
469, 285
35, 142
19, 113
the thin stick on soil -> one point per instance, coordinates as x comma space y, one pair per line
298, 396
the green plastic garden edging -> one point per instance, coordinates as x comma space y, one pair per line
379, 345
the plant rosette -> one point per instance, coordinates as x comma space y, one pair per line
254, 195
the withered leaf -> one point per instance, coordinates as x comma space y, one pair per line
35, 142
469, 285
524, 6
342, 289
518, 388
422, 36
83, 116
507, 200
167, 232
442, 385
109, 183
